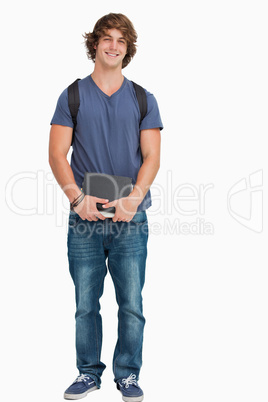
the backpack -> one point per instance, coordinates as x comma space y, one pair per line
74, 101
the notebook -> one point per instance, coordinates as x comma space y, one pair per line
106, 186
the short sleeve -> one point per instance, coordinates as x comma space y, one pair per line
62, 115
152, 118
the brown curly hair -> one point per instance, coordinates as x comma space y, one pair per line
111, 21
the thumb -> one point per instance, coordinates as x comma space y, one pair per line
110, 204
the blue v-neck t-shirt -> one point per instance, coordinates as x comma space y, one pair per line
107, 135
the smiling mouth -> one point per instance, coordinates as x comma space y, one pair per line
111, 54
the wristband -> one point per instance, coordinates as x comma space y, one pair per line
77, 201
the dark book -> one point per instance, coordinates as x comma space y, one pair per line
106, 186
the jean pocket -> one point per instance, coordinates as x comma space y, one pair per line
139, 218
73, 219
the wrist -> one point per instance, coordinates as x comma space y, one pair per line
136, 196
77, 201
72, 191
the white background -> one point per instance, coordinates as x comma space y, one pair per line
205, 297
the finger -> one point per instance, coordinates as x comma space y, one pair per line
92, 218
101, 200
110, 204
100, 216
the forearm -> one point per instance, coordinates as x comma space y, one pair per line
64, 176
146, 176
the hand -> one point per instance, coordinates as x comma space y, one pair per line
87, 209
125, 208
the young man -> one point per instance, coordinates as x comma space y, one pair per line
110, 139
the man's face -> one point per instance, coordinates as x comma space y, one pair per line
111, 49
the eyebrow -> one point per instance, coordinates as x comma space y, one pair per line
110, 36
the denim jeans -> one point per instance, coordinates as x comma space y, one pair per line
124, 246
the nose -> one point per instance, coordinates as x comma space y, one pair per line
113, 44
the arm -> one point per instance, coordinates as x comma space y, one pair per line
59, 145
126, 208
150, 141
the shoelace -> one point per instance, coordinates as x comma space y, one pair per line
131, 380
83, 378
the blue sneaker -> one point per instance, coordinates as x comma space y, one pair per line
130, 389
80, 387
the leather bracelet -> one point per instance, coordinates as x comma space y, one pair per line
77, 201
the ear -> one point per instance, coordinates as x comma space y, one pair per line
95, 45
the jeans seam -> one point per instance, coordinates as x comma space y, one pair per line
119, 314
96, 330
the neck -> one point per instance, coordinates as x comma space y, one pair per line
107, 79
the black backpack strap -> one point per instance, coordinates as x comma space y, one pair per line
74, 102
142, 100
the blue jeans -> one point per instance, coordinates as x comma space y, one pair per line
124, 246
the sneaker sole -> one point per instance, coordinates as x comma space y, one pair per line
79, 396
133, 398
